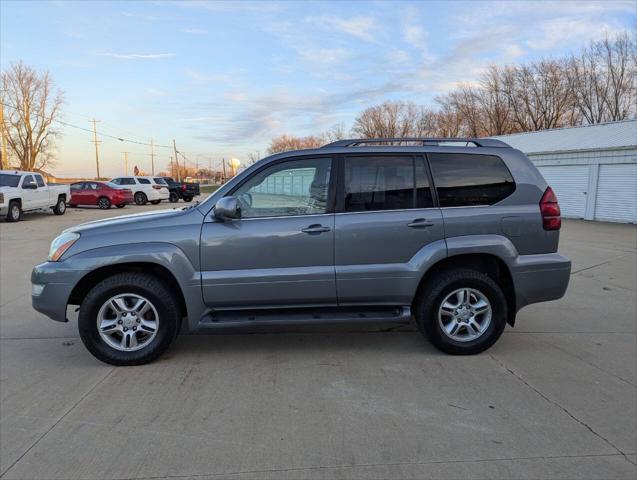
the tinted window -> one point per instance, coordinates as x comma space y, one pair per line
39, 181
7, 180
126, 181
116, 181
385, 183
76, 186
27, 180
145, 181
159, 181
470, 179
296, 187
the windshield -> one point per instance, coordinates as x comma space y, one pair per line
8, 180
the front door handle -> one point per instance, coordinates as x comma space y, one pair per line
316, 228
420, 223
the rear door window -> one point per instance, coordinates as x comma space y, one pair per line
39, 181
373, 183
144, 181
469, 180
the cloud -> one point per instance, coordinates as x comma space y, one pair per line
361, 27
194, 31
559, 31
324, 56
138, 56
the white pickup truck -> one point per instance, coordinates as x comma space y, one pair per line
22, 192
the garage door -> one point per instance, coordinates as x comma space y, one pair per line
617, 193
570, 184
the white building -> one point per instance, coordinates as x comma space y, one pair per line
592, 169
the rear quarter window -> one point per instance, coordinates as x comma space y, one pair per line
469, 180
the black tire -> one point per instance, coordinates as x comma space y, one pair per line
60, 207
141, 198
142, 284
104, 203
442, 284
121, 205
155, 202
14, 214
187, 199
174, 198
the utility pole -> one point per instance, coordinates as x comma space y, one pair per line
209, 169
152, 157
96, 142
176, 161
223, 162
4, 161
125, 162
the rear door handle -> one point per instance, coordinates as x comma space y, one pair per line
420, 223
316, 228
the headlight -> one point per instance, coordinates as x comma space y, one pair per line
61, 244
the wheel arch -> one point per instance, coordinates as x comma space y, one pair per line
93, 277
488, 263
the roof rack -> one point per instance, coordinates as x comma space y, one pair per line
478, 142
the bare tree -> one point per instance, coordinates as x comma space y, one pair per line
32, 105
618, 58
285, 143
394, 120
493, 102
539, 95
448, 119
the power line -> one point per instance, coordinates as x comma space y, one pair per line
67, 124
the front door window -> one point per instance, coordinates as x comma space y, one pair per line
296, 187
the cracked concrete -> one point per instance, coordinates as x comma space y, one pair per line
556, 397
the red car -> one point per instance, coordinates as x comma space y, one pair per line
102, 194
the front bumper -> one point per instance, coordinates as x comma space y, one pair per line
52, 284
540, 278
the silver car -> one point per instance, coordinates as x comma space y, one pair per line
456, 235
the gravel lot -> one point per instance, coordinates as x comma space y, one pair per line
556, 397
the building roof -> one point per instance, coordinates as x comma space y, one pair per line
587, 137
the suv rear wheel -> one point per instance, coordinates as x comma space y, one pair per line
461, 312
141, 198
128, 319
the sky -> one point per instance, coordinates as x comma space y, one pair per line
223, 78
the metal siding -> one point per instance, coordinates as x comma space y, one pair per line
570, 184
617, 193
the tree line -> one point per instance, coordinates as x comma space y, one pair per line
598, 84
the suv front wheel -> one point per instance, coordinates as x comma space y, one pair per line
128, 319
462, 312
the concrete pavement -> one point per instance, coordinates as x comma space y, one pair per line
555, 397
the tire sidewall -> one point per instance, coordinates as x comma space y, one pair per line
15, 212
428, 321
104, 205
87, 323
174, 198
61, 207
140, 198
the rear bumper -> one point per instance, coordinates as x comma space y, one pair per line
540, 278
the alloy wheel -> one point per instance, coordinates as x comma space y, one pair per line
127, 322
465, 314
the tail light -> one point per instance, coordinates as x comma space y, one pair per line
183, 187
157, 187
550, 210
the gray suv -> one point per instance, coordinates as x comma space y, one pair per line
458, 234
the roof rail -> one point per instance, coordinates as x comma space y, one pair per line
478, 142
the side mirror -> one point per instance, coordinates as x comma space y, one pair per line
227, 208
29, 186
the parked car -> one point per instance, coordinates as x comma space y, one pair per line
24, 192
461, 234
144, 189
102, 194
186, 191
